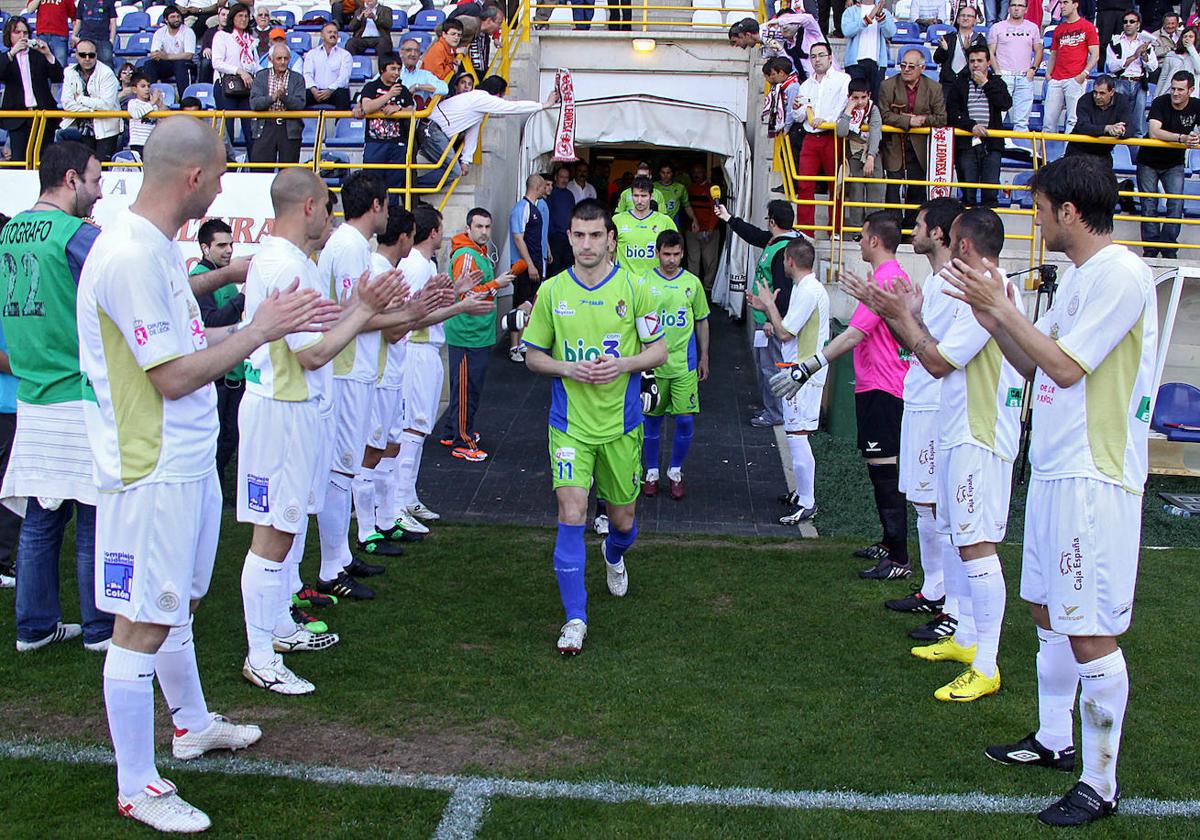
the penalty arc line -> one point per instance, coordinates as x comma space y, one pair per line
477, 791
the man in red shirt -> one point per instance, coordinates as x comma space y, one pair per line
1073, 53
54, 18
703, 243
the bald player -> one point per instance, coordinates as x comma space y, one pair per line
289, 389
150, 410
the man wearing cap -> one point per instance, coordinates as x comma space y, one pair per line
278, 35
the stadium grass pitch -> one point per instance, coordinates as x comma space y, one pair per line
731, 663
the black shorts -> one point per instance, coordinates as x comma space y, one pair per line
524, 289
878, 414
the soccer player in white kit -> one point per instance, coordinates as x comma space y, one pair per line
804, 330
150, 409
281, 462
1091, 358
978, 428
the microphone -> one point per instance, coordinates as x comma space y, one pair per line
715, 192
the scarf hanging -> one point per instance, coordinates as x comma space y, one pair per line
774, 111
564, 136
940, 165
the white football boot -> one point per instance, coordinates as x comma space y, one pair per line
220, 735
570, 640
160, 807
277, 677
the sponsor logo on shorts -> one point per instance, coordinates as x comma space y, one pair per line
1069, 613
564, 453
1071, 564
564, 309
118, 574
291, 513
922, 485
1121, 609
872, 446
926, 458
622, 308
168, 602
256, 493
966, 494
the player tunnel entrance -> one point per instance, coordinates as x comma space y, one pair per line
619, 132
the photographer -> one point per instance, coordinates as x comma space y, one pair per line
28, 65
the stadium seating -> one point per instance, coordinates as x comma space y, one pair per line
202, 91
707, 17
136, 45
738, 5
425, 39
299, 42
1191, 207
285, 17
399, 21
333, 177
427, 20
168, 92
346, 134
133, 22
907, 32
1178, 404
561, 14
321, 15
361, 68
1024, 198
155, 14
1122, 163
934, 33
309, 136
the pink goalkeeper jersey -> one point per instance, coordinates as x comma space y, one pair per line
878, 365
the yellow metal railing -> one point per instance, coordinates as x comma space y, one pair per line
784, 163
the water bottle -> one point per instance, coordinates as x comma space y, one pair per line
1177, 511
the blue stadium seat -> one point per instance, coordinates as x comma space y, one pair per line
168, 92
1191, 205
136, 45
907, 32
4, 16
1122, 162
321, 16
284, 16
1178, 404
935, 32
133, 22
1023, 198
1048, 36
425, 39
982, 29
1193, 161
343, 39
428, 20
299, 42
347, 134
399, 20
361, 69
309, 135
202, 91
125, 157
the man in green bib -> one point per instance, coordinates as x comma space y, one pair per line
222, 307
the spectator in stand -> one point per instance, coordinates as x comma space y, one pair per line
423, 85
341, 11
1108, 18
977, 102
951, 52
829, 19
906, 101
579, 186
327, 72
89, 85
54, 19
146, 100
278, 35
926, 13
794, 33
821, 99
370, 29
870, 28
223, 307
1103, 114
1167, 38
262, 30
462, 114
480, 23
461, 83
442, 56
387, 140
1184, 57
862, 127
1074, 51
96, 20
233, 56
277, 88
703, 240
1131, 59
1016, 44
205, 73
1174, 118
744, 34
125, 80
26, 74
619, 15
561, 202
171, 51
779, 105
191, 103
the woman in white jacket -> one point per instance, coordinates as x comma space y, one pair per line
1183, 57
91, 85
233, 54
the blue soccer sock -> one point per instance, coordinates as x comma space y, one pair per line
651, 441
570, 558
618, 542
684, 426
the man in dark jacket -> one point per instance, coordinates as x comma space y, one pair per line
976, 102
23, 63
1103, 114
951, 52
276, 89
370, 29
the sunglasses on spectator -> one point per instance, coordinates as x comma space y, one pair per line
1132, 20
910, 66
85, 54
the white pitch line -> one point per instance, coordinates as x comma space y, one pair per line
464, 812
608, 792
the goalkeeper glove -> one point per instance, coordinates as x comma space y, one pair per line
787, 383
515, 320
649, 392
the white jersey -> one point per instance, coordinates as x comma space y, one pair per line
274, 371
807, 319
417, 272
344, 258
391, 354
136, 311
922, 392
1105, 317
981, 398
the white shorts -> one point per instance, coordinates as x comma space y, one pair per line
352, 402
974, 486
1081, 554
324, 449
918, 450
423, 376
385, 414
155, 547
277, 460
802, 412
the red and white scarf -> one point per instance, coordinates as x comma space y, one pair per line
774, 111
941, 160
564, 136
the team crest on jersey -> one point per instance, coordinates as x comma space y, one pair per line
622, 308
256, 493
118, 573
1073, 306
140, 334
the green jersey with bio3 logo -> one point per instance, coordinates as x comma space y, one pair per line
571, 322
681, 304
636, 240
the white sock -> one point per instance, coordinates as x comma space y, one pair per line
416, 499
933, 588
285, 625
261, 581
1104, 691
675, 473
362, 488
129, 701
395, 490
958, 590
294, 556
1058, 680
988, 593
383, 494
333, 525
651, 475
179, 679
804, 467
410, 458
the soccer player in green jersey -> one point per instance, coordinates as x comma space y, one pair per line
594, 328
675, 195
625, 199
638, 230
683, 314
